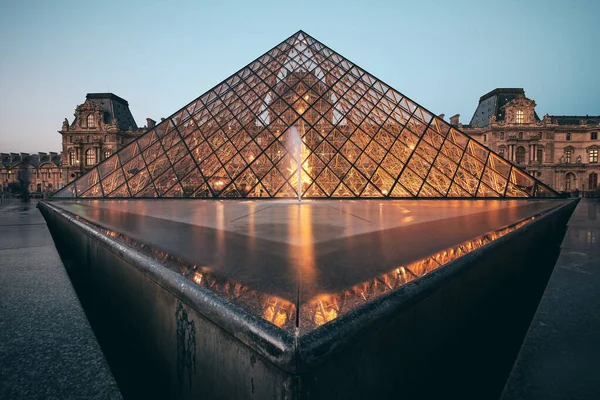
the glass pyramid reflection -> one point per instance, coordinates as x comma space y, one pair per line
302, 104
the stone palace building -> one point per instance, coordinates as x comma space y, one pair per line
102, 125
561, 151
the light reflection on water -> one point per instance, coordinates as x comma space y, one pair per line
324, 307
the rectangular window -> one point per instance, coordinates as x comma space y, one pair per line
594, 156
568, 136
568, 155
501, 135
594, 136
519, 119
484, 139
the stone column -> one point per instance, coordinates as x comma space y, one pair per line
530, 153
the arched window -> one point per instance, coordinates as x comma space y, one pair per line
520, 155
71, 158
569, 181
90, 158
593, 181
519, 117
91, 121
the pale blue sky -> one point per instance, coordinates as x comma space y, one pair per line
160, 55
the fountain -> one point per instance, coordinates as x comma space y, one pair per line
296, 144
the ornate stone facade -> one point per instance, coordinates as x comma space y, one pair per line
561, 151
42, 171
102, 125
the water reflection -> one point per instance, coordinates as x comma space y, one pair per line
325, 307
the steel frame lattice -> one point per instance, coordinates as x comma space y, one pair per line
359, 138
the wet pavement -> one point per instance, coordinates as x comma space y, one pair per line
560, 356
47, 347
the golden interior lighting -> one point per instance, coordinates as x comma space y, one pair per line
374, 141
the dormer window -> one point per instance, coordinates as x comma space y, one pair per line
91, 121
520, 117
594, 136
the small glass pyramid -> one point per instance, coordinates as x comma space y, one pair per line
302, 118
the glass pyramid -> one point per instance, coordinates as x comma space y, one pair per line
303, 105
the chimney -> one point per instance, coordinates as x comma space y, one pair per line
454, 119
150, 123
441, 116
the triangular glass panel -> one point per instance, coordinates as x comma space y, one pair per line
343, 191
314, 191
121, 192
371, 191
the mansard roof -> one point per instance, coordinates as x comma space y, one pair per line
575, 119
12, 160
492, 103
115, 108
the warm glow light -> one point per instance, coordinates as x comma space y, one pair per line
327, 307
325, 312
197, 278
277, 311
